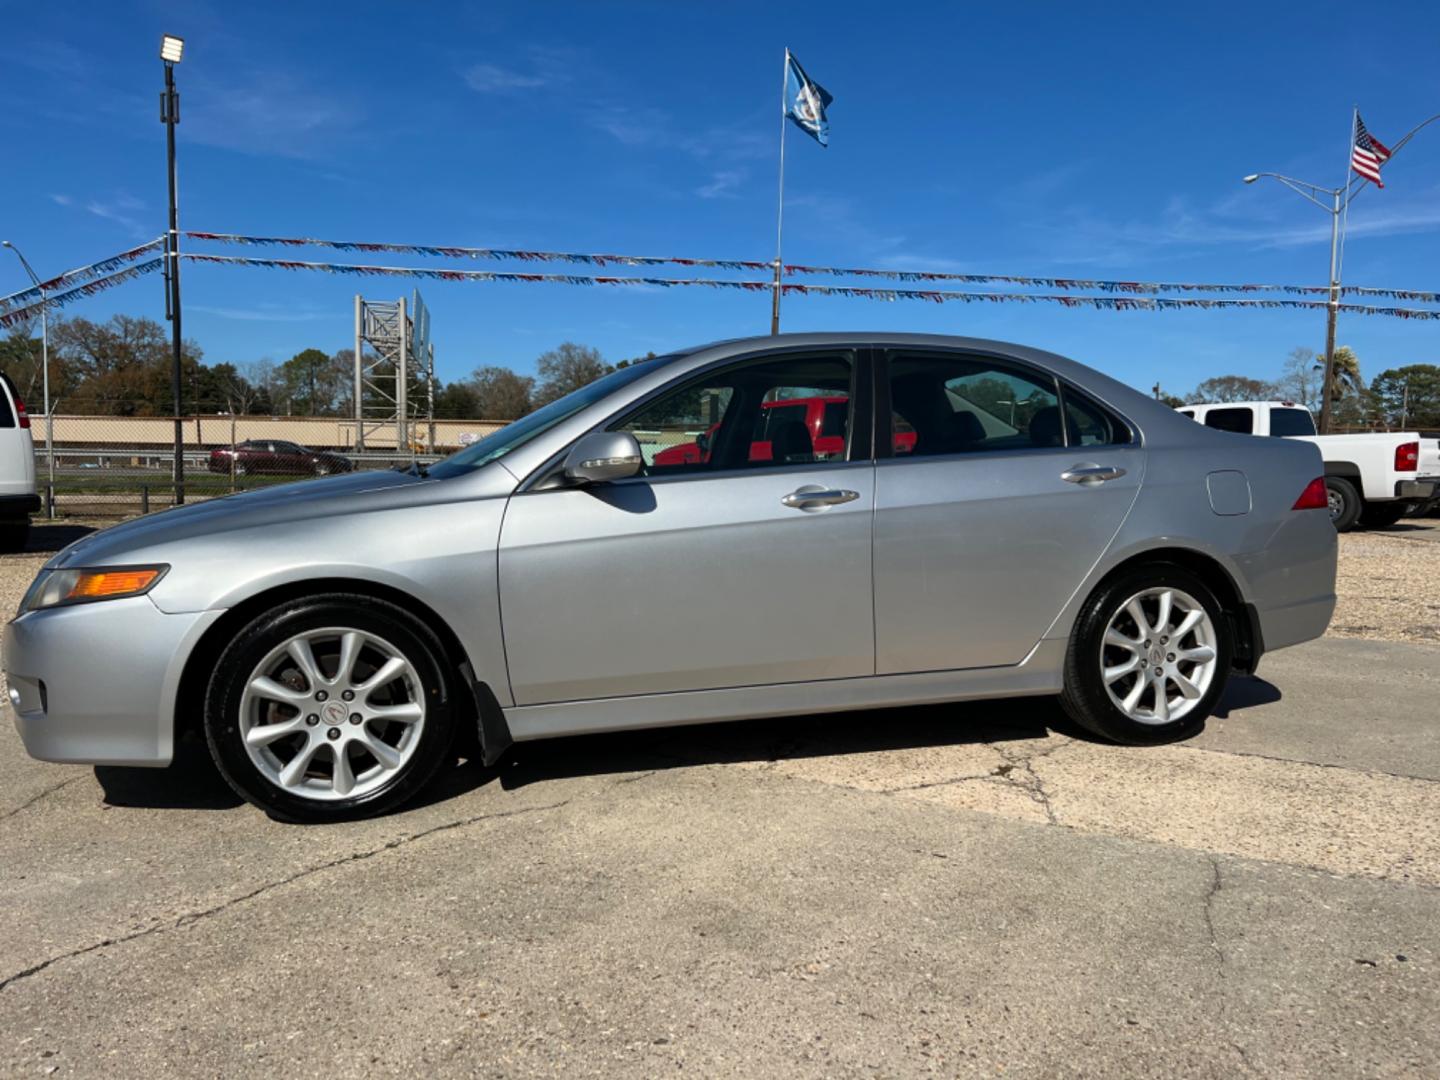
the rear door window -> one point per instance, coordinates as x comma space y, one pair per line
1287, 421
958, 403
1240, 421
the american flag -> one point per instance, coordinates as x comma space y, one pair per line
1368, 154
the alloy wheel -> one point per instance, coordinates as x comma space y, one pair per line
334, 713
1158, 655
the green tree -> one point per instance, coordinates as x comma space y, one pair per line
566, 368
1408, 397
1346, 376
501, 394
1223, 388
120, 367
307, 383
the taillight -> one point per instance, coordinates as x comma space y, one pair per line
24, 417
1407, 457
1314, 497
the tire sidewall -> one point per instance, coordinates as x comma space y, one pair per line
255, 640
1351, 504
1086, 697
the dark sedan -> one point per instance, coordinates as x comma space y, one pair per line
275, 457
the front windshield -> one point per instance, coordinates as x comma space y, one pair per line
513, 436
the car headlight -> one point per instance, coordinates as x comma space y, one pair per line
54, 588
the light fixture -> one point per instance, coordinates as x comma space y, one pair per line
171, 48
1252, 178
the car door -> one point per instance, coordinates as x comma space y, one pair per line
698, 575
1007, 495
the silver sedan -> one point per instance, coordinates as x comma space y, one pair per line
761, 527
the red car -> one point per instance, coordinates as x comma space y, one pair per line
275, 456
823, 417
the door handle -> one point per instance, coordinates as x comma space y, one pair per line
813, 497
1091, 475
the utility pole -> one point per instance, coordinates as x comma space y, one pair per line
171, 49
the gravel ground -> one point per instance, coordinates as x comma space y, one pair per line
1389, 583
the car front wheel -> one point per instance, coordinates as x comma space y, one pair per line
330, 708
1149, 657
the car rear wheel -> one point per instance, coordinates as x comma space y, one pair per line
1345, 503
1149, 657
330, 708
1383, 514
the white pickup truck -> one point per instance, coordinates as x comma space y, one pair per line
1373, 479
17, 469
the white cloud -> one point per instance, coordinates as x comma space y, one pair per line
493, 79
722, 184
631, 126
122, 208
262, 314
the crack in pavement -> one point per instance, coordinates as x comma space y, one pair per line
36, 798
192, 917
1300, 761
1032, 785
1028, 781
1216, 884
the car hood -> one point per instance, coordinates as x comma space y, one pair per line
272, 506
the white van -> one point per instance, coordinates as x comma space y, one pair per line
17, 469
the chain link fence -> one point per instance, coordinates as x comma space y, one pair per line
107, 465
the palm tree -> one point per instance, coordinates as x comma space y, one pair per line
1347, 374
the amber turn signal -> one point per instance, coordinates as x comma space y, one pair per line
93, 584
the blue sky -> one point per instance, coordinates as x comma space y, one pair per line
1039, 139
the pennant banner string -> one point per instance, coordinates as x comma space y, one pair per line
15, 315
1107, 302
795, 269
82, 273
1142, 287
496, 254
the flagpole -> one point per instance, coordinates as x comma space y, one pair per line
1332, 309
780, 202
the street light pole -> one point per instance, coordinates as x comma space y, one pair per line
171, 49
1340, 199
44, 378
1332, 310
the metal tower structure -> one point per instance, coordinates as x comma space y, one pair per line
394, 375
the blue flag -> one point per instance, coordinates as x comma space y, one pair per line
806, 102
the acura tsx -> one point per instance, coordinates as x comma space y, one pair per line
975, 520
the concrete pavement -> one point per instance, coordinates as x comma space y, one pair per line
967, 890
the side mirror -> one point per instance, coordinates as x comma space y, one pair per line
702, 442
602, 456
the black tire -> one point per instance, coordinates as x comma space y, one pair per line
1085, 697
411, 637
1383, 515
1345, 503
14, 535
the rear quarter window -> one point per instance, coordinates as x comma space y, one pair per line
1285, 422
1240, 421
8, 394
